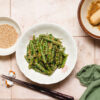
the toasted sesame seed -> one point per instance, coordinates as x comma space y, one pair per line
8, 36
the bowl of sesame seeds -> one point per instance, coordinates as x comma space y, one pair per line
9, 33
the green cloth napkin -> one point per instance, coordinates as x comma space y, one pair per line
88, 74
92, 92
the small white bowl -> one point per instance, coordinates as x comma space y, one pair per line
83, 21
59, 74
12, 49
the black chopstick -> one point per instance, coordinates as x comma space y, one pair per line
46, 91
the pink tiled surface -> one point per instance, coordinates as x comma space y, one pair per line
62, 12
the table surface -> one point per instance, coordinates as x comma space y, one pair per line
63, 12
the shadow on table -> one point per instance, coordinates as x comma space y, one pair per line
5, 58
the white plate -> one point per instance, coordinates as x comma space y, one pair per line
9, 21
59, 74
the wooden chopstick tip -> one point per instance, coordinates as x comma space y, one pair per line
4, 76
1, 75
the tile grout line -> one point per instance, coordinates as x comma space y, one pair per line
10, 8
80, 36
11, 69
10, 55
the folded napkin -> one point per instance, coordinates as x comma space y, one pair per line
89, 74
92, 92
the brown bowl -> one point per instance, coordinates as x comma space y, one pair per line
84, 23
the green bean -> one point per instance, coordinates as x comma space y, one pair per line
26, 57
33, 37
46, 47
34, 67
32, 48
45, 54
54, 42
64, 61
43, 69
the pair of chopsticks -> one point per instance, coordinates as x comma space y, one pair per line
43, 90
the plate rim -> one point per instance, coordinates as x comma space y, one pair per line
75, 46
12, 49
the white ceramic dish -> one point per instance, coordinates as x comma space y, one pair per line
59, 74
84, 23
9, 21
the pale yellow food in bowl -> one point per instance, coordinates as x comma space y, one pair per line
94, 14
95, 18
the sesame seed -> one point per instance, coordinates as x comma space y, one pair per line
8, 36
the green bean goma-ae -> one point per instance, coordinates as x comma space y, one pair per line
45, 54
